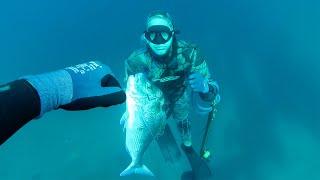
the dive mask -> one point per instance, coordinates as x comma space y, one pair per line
158, 34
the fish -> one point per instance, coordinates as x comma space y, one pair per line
143, 121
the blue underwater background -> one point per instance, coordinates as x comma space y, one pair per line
264, 53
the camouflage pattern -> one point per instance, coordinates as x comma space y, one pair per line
171, 77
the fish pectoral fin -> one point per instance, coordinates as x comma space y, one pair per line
138, 170
123, 119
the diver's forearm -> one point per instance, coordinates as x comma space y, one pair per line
19, 103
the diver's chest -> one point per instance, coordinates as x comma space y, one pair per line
168, 79
178, 68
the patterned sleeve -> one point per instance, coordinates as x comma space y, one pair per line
128, 70
199, 65
133, 65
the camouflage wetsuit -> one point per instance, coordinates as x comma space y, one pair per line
170, 75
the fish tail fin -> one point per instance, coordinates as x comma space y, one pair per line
136, 169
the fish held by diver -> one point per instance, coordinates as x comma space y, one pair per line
142, 121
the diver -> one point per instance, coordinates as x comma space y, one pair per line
175, 67
74, 88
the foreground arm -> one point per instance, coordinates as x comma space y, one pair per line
80, 87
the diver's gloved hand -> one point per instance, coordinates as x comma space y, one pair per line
79, 87
93, 86
198, 83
